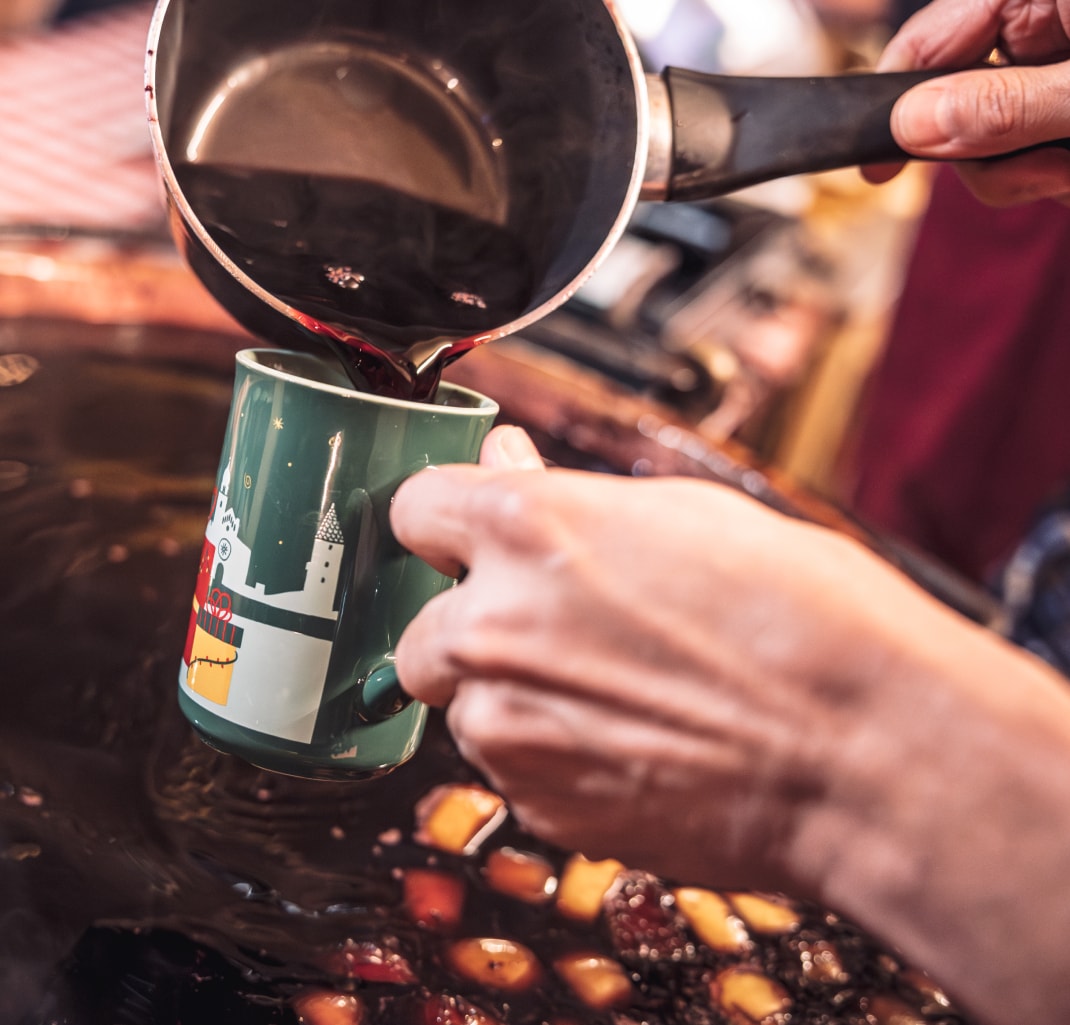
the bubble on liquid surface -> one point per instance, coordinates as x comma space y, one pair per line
343, 277
469, 299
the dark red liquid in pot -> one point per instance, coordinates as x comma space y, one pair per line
398, 285
369, 192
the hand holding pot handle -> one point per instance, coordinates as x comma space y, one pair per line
1014, 108
730, 132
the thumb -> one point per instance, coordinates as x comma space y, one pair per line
984, 113
510, 448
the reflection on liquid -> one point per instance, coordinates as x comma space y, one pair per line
145, 878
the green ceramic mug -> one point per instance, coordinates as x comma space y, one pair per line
302, 590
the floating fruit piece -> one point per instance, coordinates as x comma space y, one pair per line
933, 1000
644, 924
583, 887
598, 981
371, 962
527, 877
458, 817
712, 920
322, 1007
746, 996
821, 963
443, 1009
495, 963
433, 898
888, 1010
764, 913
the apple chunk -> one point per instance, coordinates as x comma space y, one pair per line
527, 877
321, 1007
765, 914
889, 1010
458, 817
584, 885
433, 898
494, 963
747, 996
599, 981
712, 920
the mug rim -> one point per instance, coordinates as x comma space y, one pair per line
252, 359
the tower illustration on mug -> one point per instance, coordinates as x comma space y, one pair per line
237, 602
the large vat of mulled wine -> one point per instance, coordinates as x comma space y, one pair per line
147, 880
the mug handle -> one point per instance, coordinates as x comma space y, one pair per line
380, 696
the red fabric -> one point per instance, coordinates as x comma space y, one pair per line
965, 427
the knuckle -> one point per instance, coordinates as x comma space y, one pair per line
513, 508
1000, 103
463, 647
475, 715
479, 642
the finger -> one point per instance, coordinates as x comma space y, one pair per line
1040, 174
983, 113
510, 448
530, 746
878, 174
941, 35
425, 668
430, 515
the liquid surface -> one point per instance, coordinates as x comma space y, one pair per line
386, 279
367, 193
148, 880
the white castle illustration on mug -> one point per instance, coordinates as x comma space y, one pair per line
237, 685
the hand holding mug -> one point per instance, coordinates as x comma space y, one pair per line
302, 590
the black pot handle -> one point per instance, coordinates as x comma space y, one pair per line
733, 131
